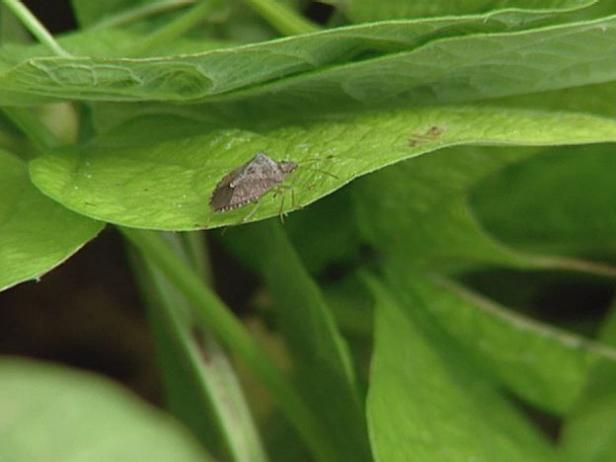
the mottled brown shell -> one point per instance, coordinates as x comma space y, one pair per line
249, 182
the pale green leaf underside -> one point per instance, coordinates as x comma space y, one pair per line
36, 233
461, 69
168, 185
374, 62
205, 395
426, 404
54, 414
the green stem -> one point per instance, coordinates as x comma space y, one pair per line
282, 18
141, 12
35, 27
205, 394
230, 331
175, 28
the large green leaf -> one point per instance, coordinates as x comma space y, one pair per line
168, 185
54, 414
564, 202
212, 312
36, 233
458, 69
320, 356
589, 433
332, 219
545, 366
391, 61
419, 210
428, 403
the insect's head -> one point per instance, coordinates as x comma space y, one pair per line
287, 166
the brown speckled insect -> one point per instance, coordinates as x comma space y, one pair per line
429, 135
249, 182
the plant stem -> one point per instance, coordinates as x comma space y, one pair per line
282, 18
201, 386
35, 27
141, 12
230, 331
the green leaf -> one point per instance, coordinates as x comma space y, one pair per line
212, 312
11, 29
51, 414
320, 355
332, 219
36, 233
378, 10
566, 199
168, 185
428, 403
418, 210
457, 69
545, 366
201, 386
589, 433
391, 61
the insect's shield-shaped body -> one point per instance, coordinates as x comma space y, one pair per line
249, 182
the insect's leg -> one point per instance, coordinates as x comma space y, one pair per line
206, 225
252, 212
280, 211
418, 139
323, 172
429, 135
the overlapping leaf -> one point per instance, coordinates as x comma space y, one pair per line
36, 233
50, 413
428, 403
420, 208
588, 433
201, 387
320, 356
369, 63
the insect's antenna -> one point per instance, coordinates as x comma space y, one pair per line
324, 158
324, 172
317, 159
